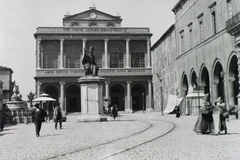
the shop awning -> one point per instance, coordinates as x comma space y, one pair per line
171, 104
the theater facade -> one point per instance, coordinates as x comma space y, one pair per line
122, 54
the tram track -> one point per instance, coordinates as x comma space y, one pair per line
152, 124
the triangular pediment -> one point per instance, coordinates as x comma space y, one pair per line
92, 14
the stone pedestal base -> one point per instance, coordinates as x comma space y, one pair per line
91, 99
150, 110
91, 118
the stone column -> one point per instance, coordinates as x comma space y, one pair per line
107, 92
61, 53
83, 47
127, 54
231, 90
128, 108
39, 89
62, 102
238, 57
150, 109
148, 53
106, 52
38, 53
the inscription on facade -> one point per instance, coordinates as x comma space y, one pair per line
103, 72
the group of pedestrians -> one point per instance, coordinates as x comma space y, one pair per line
205, 122
38, 116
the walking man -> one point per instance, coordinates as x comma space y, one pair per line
38, 115
57, 116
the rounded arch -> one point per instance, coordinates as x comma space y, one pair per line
71, 53
109, 24
74, 24
92, 24
218, 84
204, 79
73, 99
117, 96
138, 97
184, 85
50, 55
53, 92
193, 80
116, 52
137, 47
233, 85
98, 52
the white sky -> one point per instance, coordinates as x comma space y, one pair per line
20, 18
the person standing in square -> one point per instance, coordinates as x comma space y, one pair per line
57, 116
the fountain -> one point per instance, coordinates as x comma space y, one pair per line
17, 108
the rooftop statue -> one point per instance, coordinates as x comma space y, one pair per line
89, 62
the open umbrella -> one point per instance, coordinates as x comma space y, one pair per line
43, 99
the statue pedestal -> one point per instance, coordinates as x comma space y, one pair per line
91, 99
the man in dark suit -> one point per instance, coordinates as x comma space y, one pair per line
38, 117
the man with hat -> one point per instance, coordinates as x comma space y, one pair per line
38, 117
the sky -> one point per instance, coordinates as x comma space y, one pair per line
20, 18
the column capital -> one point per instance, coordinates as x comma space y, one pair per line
127, 40
107, 82
106, 39
62, 83
39, 83
84, 40
149, 81
61, 40
129, 82
39, 40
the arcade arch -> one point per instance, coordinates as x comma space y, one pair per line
218, 83
72, 99
117, 96
205, 80
233, 85
138, 97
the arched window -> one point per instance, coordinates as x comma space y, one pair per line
92, 24
110, 25
75, 24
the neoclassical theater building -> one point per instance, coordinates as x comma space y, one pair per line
199, 52
122, 54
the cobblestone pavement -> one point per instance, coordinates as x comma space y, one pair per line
135, 136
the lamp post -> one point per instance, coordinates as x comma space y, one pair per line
143, 102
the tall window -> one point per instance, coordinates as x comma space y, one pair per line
201, 29
230, 8
116, 60
137, 60
182, 40
98, 58
212, 8
190, 34
214, 22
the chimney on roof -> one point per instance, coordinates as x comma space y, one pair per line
92, 6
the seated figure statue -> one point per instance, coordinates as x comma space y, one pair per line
89, 62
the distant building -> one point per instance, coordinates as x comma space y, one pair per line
123, 56
200, 51
6, 78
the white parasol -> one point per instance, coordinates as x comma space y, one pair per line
43, 98
40, 99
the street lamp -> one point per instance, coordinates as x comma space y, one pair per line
143, 102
